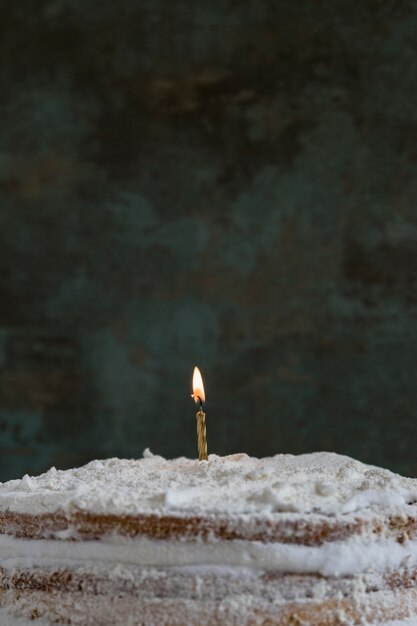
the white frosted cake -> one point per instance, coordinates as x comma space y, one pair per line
317, 539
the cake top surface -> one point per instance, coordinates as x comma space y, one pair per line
319, 483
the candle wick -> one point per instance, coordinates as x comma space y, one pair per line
197, 400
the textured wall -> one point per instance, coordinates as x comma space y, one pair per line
230, 184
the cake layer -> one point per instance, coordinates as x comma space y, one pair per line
311, 500
290, 528
208, 583
205, 600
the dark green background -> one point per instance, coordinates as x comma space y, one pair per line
230, 184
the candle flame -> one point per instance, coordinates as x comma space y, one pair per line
198, 387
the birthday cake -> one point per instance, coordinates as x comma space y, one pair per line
317, 539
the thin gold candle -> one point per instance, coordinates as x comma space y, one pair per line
199, 397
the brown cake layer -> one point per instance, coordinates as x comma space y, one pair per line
88, 606
303, 531
208, 584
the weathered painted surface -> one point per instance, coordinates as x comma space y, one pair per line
225, 184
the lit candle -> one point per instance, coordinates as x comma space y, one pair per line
199, 397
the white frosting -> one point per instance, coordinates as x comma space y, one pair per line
322, 482
283, 485
346, 558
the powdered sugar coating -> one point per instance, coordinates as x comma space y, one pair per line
323, 483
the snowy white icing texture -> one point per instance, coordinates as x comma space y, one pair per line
276, 487
323, 483
346, 558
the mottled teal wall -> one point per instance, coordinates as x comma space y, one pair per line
230, 184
